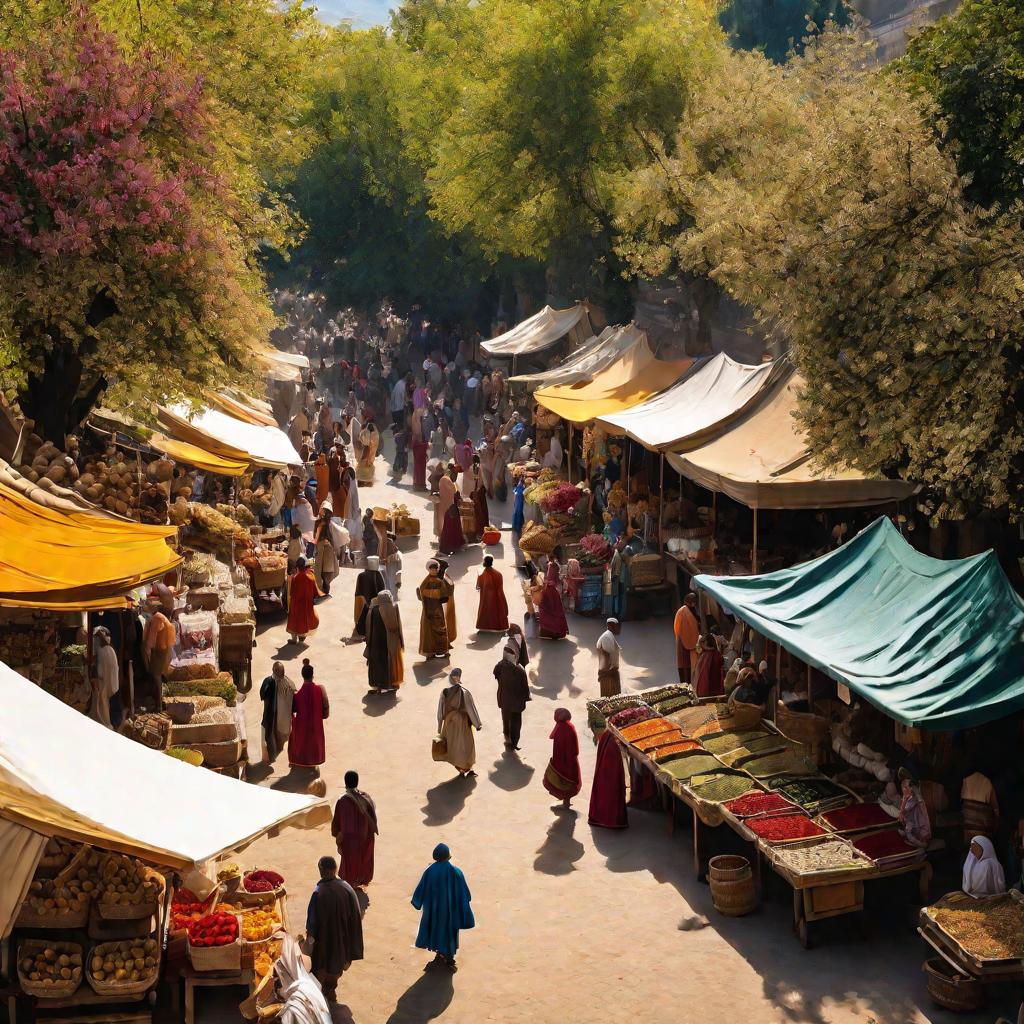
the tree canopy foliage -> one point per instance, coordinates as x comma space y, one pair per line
817, 193
972, 63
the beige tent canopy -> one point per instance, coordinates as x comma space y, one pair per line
62, 774
279, 365
701, 405
231, 438
537, 332
763, 461
593, 356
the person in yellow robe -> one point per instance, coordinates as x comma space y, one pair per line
434, 593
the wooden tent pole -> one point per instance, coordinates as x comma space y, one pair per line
570, 451
661, 497
754, 565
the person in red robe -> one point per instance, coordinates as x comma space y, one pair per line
451, 537
302, 588
355, 829
306, 747
608, 793
550, 613
562, 778
710, 681
492, 612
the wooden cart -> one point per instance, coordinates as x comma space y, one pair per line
237, 639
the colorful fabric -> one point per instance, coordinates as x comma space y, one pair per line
302, 617
306, 746
550, 613
355, 829
562, 778
608, 792
443, 897
434, 592
492, 612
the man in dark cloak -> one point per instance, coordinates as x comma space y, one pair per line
369, 583
513, 691
334, 926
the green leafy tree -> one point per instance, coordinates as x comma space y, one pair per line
817, 193
972, 64
556, 99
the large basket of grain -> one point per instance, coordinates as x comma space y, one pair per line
125, 968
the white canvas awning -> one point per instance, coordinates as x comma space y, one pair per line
536, 332
263, 445
283, 365
62, 774
593, 356
763, 461
703, 403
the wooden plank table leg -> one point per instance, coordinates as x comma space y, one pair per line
190, 1002
924, 882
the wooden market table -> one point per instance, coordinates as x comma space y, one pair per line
194, 979
817, 895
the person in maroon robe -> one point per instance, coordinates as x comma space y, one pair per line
550, 613
355, 829
710, 680
306, 746
492, 611
562, 778
302, 589
608, 793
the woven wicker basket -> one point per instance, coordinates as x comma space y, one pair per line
29, 948
135, 911
121, 988
216, 958
732, 885
952, 991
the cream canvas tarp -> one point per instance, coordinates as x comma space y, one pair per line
704, 402
287, 366
593, 356
536, 332
62, 774
263, 445
763, 461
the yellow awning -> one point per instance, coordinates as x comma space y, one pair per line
193, 455
52, 558
608, 392
239, 410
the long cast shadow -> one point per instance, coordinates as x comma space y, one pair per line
446, 800
509, 772
377, 704
425, 1000
558, 854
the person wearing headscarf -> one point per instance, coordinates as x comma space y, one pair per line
457, 717
325, 555
434, 593
371, 539
322, 475
608, 791
369, 583
709, 679
492, 610
443, 898
562, 778
419, 450
384, 644
391, 561
352, 514
302, 589
513, 688
106, 680
573, 582
276, 692
334, 926
478, 495
310, 708
983, 874
449, 523
550, 613
337, 481
369, 439
300, 993
354, 828
915, 825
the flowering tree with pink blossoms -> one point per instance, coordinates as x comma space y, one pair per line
124, 273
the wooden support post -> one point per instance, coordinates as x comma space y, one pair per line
570, 451
661, 499
754, 562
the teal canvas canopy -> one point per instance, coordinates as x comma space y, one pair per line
932, 643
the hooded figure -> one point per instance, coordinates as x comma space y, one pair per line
303, 998
369, 583
443, 897
983, 874
562, 778
457, 717
608, 792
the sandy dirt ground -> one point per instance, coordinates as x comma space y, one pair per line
573, 923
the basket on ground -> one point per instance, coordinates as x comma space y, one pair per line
732, 885
951, 990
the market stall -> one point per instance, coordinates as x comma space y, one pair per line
215, 431
538, 332
730, 767
90, 860
593, 356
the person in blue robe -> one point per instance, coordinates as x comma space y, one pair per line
444, 898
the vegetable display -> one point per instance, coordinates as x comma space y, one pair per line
690, 765
784, 827
594, 550
723, 788
259, 924
130, 960
216, 929
51, 965
127, 882
630, 716
785, 763
186, 908
262, 881
811, 793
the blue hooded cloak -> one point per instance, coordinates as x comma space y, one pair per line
444, 898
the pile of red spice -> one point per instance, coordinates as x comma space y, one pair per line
882, 845
784, 827
760, 803
844, 819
